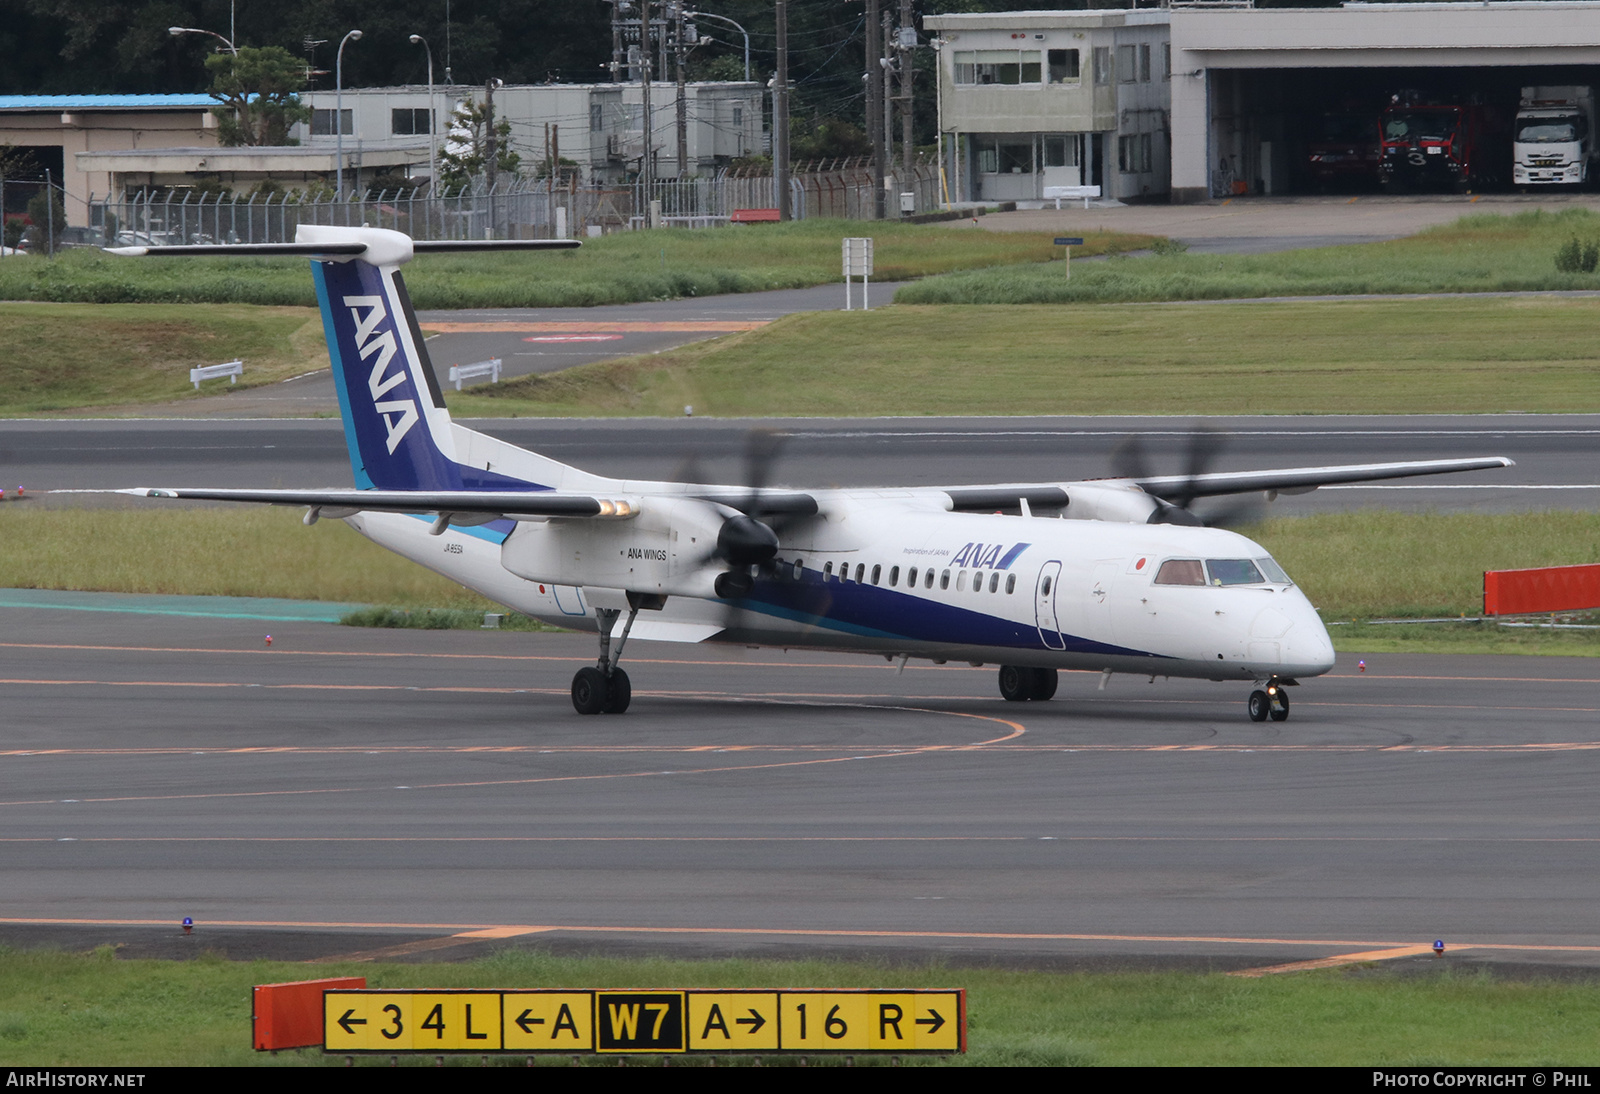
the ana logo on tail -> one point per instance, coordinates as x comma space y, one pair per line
399, 415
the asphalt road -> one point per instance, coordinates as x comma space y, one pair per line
352, 790
1555, 454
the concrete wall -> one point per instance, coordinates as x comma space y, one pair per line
102, 131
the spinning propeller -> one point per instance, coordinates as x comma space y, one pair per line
1174, 504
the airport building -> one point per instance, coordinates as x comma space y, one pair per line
1031, 99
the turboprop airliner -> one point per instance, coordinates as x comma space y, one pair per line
1111, 575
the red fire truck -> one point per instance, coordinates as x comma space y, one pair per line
1443, 146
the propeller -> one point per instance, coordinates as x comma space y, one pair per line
747, 540
1128, 461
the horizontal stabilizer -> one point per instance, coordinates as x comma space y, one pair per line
334, 249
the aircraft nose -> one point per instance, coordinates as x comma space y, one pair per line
1292, 635
1306, 649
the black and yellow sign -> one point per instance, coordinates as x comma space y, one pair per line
725, 1022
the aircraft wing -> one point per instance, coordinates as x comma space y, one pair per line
508, 503
1300, 480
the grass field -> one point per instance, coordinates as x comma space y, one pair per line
1448, 355
1485, 253
615, 269
1372, 564
96, 1010
69, 356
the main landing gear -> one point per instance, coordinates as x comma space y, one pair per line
1271, 701
1019, 683
605, 689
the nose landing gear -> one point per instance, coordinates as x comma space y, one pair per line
605, 689
1269, 700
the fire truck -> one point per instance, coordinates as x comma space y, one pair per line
1443, 146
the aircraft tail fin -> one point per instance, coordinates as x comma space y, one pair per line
396, 425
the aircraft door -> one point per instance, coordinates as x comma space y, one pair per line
1044, 606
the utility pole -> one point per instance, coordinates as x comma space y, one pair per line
491, 150
683, 101
780, 114
874, 81
908, 45
885, 207
647, 161
616, 41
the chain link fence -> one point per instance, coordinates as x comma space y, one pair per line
513, 208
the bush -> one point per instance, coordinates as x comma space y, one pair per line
1578, 257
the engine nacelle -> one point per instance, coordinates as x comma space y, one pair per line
1124, 504
666, 548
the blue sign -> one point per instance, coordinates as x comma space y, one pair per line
1069, 241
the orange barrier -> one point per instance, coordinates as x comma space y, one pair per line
290, 1015
1546, 589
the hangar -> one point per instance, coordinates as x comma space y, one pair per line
1252, 89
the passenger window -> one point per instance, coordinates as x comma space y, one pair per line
927, 578
1233, 571
1046, 590
911, 578
994, 582
1011, 584
861, 571
827, 571
894, 576
799, 568
877, 572
944, 580
1180, 571
977, 582
961, 582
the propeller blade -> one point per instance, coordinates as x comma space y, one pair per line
1128, 460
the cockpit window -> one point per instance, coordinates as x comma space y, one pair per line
1233, 571
1273, 571
1180, 571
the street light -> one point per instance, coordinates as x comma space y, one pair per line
179, 32
338, 107
433, 126
725, 19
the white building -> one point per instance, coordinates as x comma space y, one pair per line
598, 126
1249, 84
1030, 99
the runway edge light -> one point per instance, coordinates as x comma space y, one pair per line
289, 1015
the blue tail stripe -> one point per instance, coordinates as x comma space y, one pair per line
336, 360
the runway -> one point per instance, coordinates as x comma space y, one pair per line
1556, 454
432, 794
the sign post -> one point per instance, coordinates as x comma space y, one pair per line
857, 263
1069, 242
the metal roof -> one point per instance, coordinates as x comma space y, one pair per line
105, 102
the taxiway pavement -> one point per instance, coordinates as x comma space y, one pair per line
416, 793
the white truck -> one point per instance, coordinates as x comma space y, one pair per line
1553, 143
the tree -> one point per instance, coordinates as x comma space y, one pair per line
46, 212
257, 92
466, 151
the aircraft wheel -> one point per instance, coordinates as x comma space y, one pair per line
1258, 705
589, 691
1280, 705
619, 692
1016, 683
1044, 684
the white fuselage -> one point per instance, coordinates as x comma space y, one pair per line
993, 589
